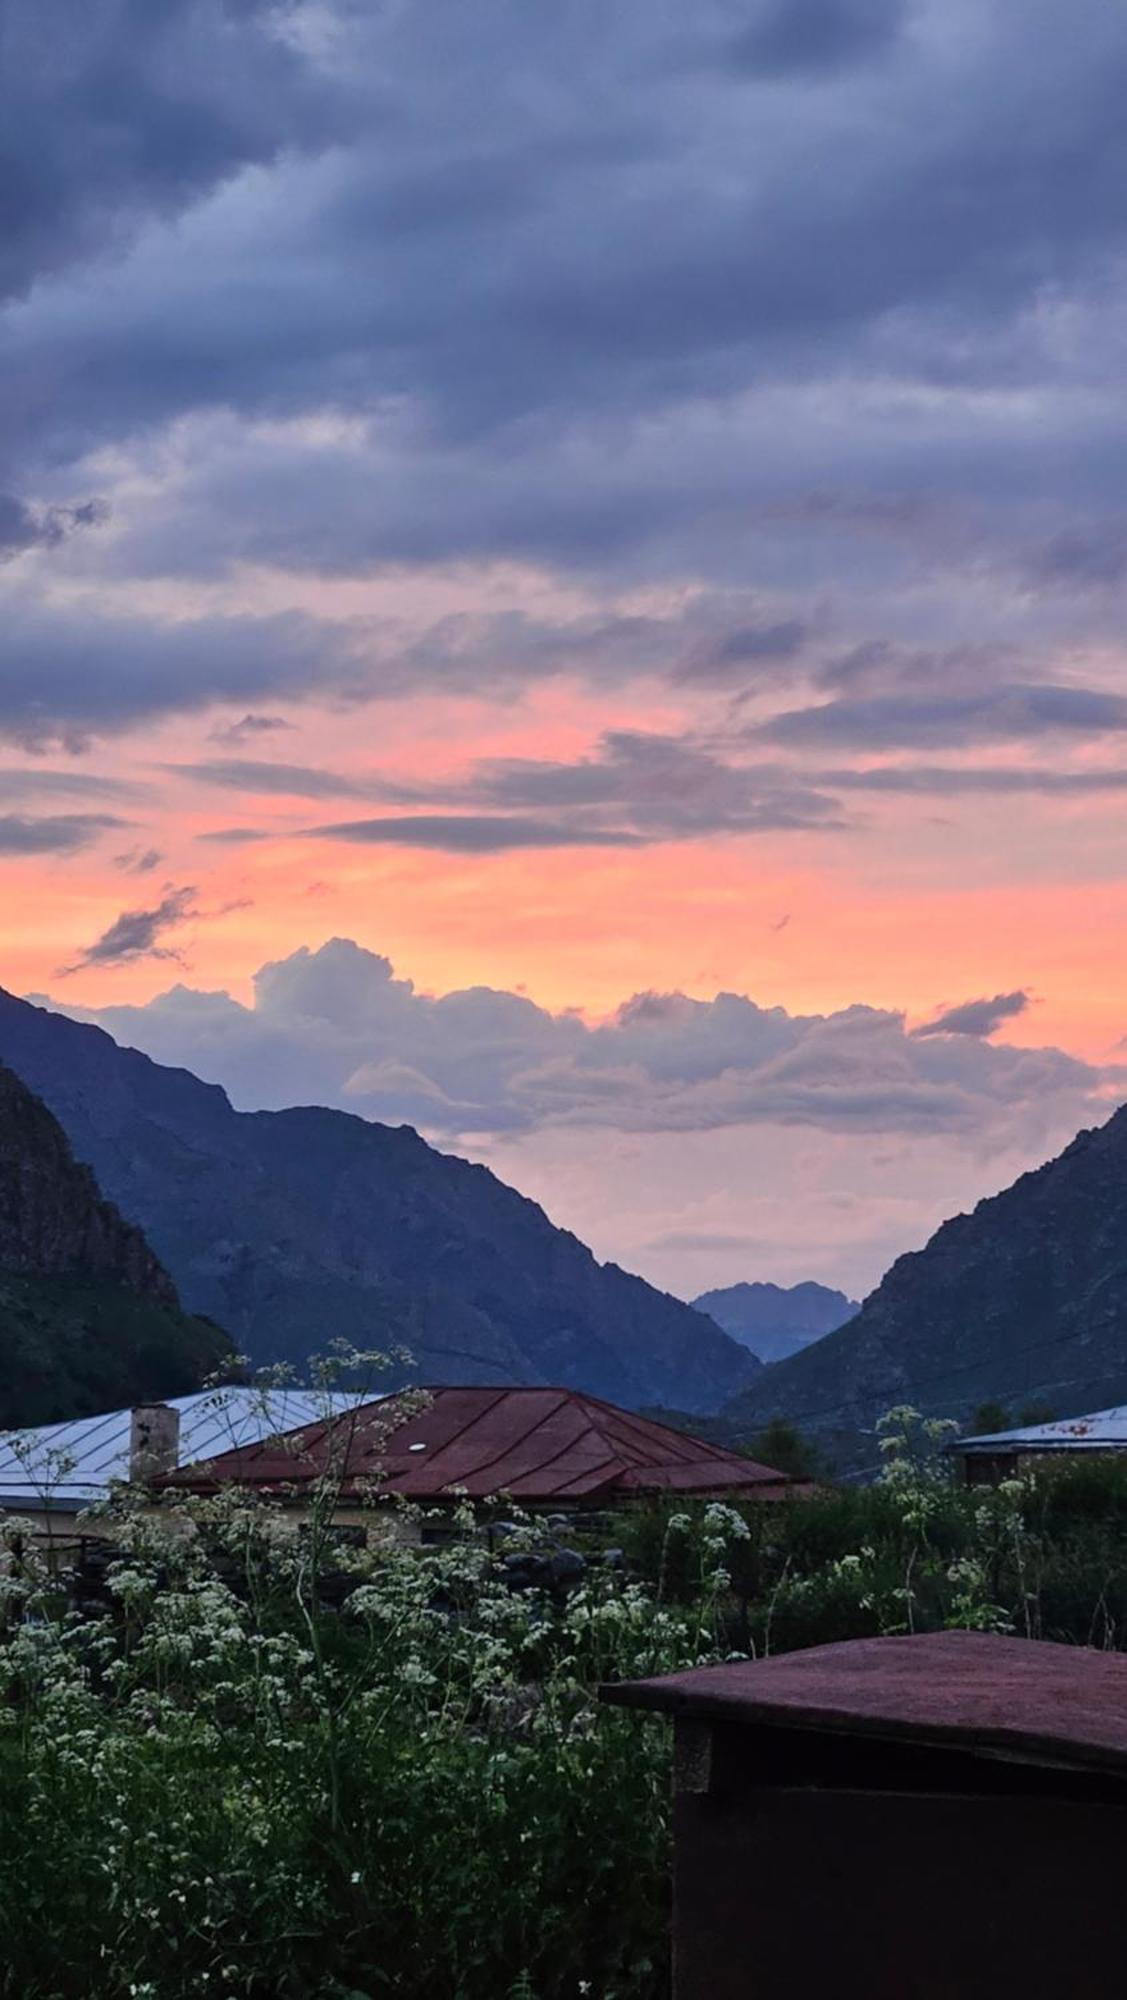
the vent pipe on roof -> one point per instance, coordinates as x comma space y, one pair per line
154, 1441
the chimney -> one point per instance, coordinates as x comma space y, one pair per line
154, 1441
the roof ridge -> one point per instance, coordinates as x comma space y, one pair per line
538, 1425
633, 1418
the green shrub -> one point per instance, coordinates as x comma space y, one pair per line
221, 1786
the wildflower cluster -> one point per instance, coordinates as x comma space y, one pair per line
277, 1755
276, 1764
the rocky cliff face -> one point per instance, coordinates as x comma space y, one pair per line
777, 1320
89, 1318
53, 1220
293, 1228
1024, 1300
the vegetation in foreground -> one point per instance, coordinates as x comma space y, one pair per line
269, 1765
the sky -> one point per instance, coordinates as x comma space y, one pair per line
562, 580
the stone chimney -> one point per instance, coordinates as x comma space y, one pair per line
154, 1441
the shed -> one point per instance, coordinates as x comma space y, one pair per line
995, 1455
938, 1817
539, 1446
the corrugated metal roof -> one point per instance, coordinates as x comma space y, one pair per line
532, 1444
1102, 1431
70, 1465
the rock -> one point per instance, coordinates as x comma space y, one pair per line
89, 1317
566, 1566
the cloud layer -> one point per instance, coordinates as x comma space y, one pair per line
693, 1140
337, 1026
622, 498
826, 294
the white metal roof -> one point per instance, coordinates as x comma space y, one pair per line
70, 1465
1102, 1431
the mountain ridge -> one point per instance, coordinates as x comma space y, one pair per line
295, 1227
1023, 1298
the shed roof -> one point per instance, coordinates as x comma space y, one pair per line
71, 1465
1059, 1705
533, 1444
1103, 1430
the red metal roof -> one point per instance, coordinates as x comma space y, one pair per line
967, 1690
533, 1444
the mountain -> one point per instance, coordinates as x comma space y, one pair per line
776, 1320
293, 1228
88, 1316
1024, 1300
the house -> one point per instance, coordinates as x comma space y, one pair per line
541, 1448
999, 1455
51, 1474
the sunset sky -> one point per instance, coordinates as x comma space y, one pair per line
563, 576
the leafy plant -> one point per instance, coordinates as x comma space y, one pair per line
271, 1764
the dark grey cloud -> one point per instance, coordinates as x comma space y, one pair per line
878, 666
114, 112
29, 781
709, 1240
137, 934
794, 37
1010, 712
66, 678
138, 860
635, 788
234, 836
659, 787
738, 655
624, 227
244, 774
61, 833
655, 787
757, 294
470, 833
970, 780
978, 1017
248, 728
23, 527
1088, 557
663, 786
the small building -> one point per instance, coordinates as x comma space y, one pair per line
541, 1448
932, 1817
999, 1455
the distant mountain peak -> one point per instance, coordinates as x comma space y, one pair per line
775, 1321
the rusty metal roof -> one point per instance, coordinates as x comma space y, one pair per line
1058, 1705
532, 1444
1103, 1430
